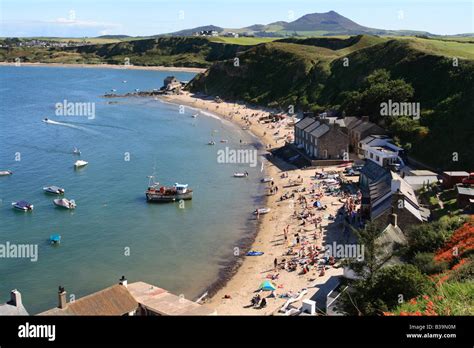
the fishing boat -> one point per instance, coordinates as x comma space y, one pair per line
65, 203
266, 179
22, 205
55, 239
54, 190
5, 172
241, 175
80, 163
177, 192
76, 151
261, 211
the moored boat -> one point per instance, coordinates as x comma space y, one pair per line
241, 175
23, 205
177, 192
76, 151
55, 239
212, 142
266, 179
65, 203
54, 190
261, 211
5, 172
80, 163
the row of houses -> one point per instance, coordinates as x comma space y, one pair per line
325, 137
122, 299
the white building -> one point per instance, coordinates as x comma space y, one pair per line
379, 149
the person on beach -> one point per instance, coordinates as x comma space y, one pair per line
275, 264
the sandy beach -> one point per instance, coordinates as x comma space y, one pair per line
303, 240
107, 66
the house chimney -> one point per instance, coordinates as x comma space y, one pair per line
123, 281
15, 298
62, 297
365, 118
394, 219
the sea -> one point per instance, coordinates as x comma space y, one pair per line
185, 248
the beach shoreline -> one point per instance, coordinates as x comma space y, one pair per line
231, 294
107, 66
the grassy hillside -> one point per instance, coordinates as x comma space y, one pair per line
269, 73
311, 74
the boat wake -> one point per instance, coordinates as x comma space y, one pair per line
65, 124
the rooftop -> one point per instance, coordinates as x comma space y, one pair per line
164, 303
422, 173
459, 173
114, 300
467, 191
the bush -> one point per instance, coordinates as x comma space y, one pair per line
426, 264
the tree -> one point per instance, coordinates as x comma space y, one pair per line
390, 286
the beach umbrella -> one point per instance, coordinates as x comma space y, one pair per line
267, 286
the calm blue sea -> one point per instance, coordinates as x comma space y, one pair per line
113, 231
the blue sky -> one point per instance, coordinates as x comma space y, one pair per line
79, 18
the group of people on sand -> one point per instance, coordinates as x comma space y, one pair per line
305, 252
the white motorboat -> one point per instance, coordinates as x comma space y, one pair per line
5, 172
124, 81
54, 190
80, 163
22, 205
241, 175
195, 115
46, 120
212, 142
266, 179
261, 211
65, 203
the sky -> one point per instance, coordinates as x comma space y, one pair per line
89, 18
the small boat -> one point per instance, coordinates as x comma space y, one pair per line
224, 140
177, 192
22, 205
65, 203
46, 120
195, 115
113, 90
261, 211
5, 172
212, 142
76, 151
124, 81
137, 90
241, 175
80, 163
255, 253
55, 239
54, 190
266, 179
